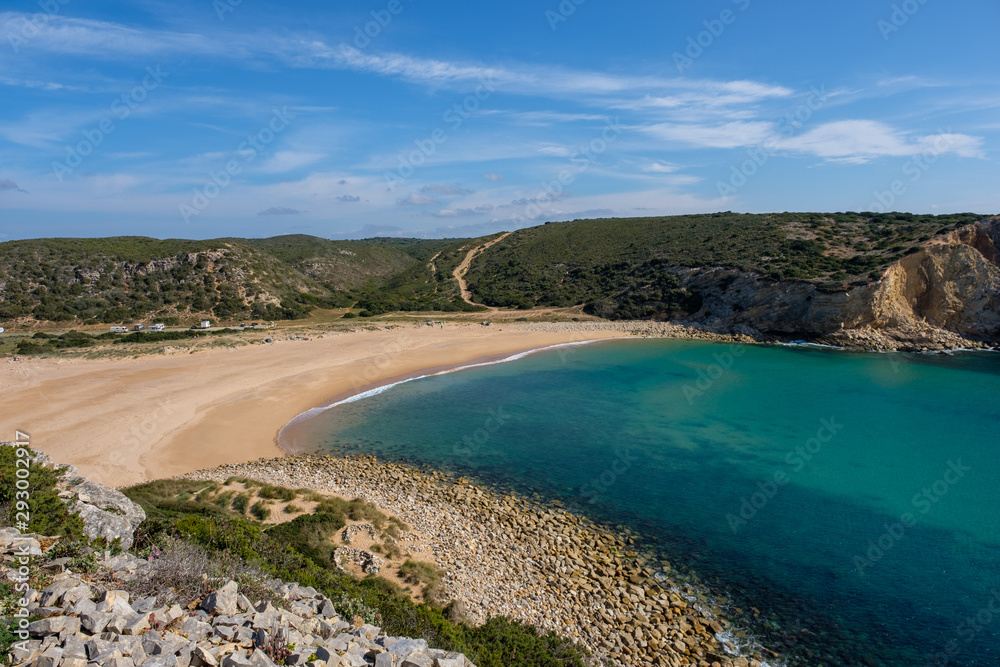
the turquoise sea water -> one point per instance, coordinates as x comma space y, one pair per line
853, 499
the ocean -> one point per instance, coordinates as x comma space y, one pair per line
844, 506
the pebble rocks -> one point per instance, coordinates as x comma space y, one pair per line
506, 555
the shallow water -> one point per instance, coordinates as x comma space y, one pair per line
850, 498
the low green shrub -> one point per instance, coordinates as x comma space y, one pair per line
260, 511
241, 502
426, 575
47, 514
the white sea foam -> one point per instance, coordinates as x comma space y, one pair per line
312, 412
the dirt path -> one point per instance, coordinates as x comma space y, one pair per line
463, 268
432, 266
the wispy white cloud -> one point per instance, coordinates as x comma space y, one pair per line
459, 212
416, 199
846, 141
283, 161
660, 168
550, 118
862, 140
447, 189
104, 40
281, 210
725, 135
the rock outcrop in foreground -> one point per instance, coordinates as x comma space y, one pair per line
107, 513
85, 622
82, 626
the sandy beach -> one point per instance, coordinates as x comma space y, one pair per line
125, 421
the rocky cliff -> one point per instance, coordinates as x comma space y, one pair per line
944, 294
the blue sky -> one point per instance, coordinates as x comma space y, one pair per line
209, 118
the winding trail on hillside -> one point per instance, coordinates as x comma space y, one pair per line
463, 268
432, 266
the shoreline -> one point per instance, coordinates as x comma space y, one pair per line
126, 421
532, 561
122, 421
388, 383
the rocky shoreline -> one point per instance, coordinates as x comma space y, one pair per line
513, 556
925, 339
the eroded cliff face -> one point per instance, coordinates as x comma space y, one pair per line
947, 291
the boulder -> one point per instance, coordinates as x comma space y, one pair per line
24, 652
194, 629
55, 625
203, 656
259, 659
223, 601
94, 622
50, 658
417, 660
137, 625
106, 512
237, 659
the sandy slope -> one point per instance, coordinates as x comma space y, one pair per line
125, 421
463, 268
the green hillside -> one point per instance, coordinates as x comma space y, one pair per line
127, 278
427, 285
339, 265
618, 266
